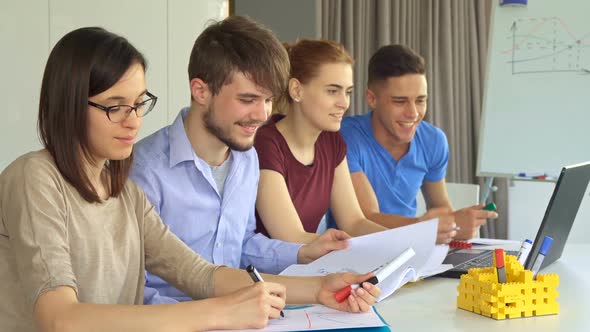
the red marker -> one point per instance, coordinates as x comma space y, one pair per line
342, 294
381, 273
500, 265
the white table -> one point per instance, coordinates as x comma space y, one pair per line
431, 304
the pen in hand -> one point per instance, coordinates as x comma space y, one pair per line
256, 277
490, 207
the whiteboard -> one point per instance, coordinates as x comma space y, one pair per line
536, 113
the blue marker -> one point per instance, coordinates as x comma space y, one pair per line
547, 241
530, 175
524, 252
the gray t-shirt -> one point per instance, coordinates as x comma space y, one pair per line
51, 237
220, 173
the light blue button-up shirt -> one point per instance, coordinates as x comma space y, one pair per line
221, 229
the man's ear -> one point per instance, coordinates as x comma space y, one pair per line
371, 98
200, 92
295, 90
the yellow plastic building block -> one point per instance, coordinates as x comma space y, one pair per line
520, 296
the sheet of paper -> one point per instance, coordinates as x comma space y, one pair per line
440, 269
319, 317
367, 252
490, 244
434, 264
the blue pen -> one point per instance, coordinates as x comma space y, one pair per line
545, 246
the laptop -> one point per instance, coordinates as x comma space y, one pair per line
557, 223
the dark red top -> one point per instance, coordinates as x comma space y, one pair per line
310, 186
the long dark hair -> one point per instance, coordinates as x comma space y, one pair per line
83, 63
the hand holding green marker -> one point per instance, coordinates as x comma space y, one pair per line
490, 207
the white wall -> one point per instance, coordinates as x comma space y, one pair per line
164, 30
528, 201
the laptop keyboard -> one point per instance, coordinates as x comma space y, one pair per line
485, 260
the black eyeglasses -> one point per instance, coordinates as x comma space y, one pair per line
120, 113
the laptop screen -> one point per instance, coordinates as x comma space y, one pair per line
561, 212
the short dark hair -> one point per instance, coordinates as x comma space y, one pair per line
83, 63
394, 61
239, 44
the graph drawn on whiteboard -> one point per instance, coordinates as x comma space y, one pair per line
546, 44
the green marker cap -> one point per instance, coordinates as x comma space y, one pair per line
490, 207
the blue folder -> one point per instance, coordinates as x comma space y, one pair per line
357, 329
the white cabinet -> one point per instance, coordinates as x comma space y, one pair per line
24, 44
163, 30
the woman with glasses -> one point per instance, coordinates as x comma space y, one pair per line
76, 236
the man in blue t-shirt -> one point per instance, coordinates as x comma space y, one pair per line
392, 153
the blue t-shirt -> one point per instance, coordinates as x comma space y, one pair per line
396, 183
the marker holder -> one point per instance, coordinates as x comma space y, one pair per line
521, 296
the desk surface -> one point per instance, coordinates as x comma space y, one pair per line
431, 304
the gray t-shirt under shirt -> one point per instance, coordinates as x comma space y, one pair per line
220, 174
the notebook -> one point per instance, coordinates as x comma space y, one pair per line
557, 223
367, 252
321, 318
